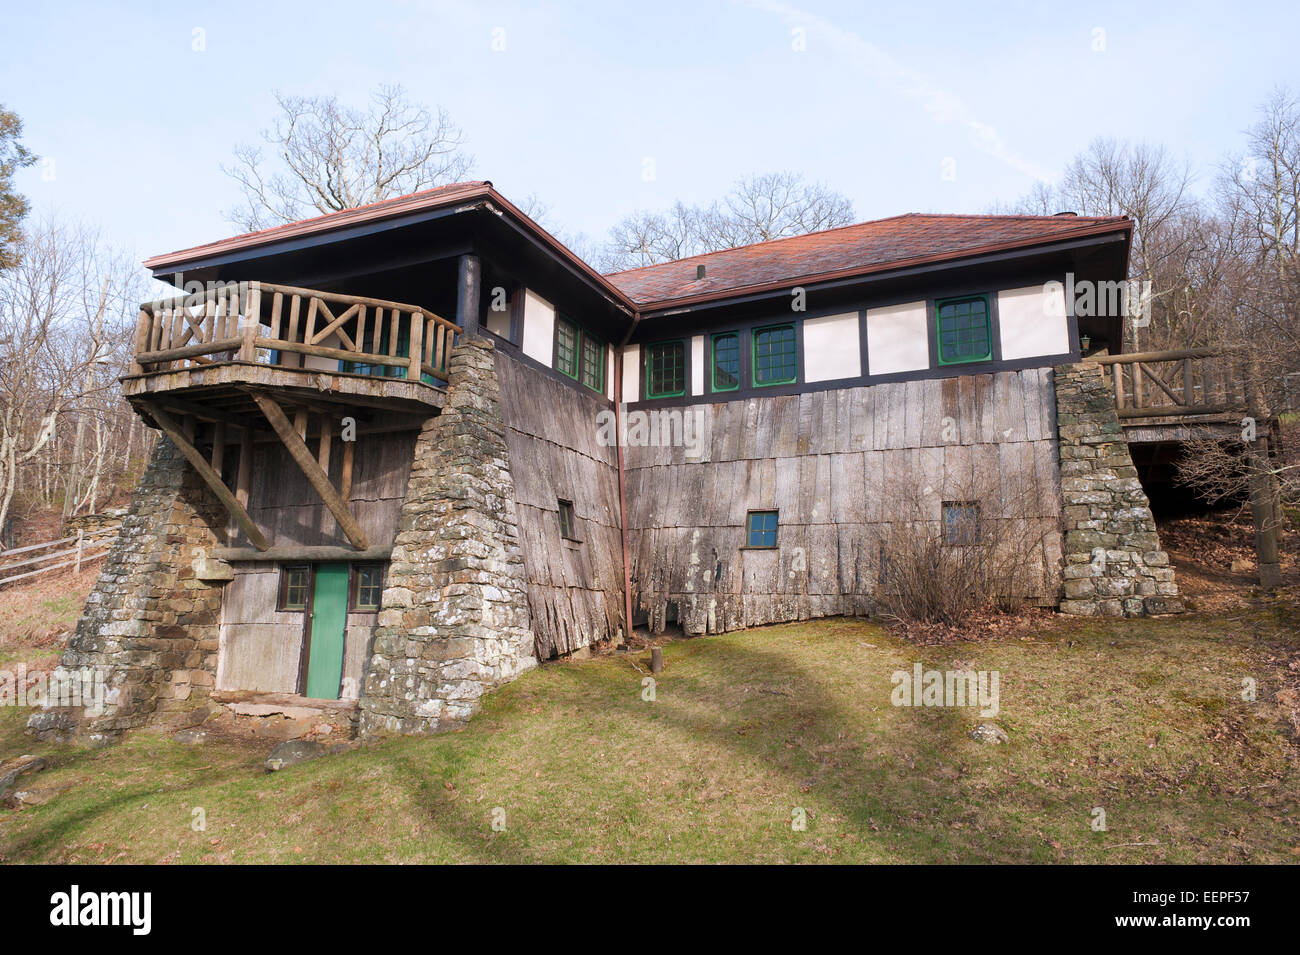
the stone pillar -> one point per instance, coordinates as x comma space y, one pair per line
453, 620
1113, 562
150, 624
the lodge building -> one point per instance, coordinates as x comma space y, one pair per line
382, 487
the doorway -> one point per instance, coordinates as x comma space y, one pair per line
327, 622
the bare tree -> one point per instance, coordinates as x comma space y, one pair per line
757, 209
328, 157
65, 325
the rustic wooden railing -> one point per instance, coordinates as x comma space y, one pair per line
86, 547
1182, 382
254, 321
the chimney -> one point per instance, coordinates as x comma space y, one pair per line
699, 272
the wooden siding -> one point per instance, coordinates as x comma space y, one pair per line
289, 511
822, 459
261, 647
574, 589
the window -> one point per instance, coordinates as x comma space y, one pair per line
776, 359
578, 355
726, 361
568, 521
367, 586
295, 587
761, 529
965, 332
961, 523
566, 347
593, 363
665, 370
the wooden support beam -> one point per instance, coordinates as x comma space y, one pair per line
245, 467
467, 295
323, 450
318, 478
305, 554
210, 477
345, 483
218, 446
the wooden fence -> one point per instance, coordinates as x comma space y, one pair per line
1178, 383
254, 321
86, 547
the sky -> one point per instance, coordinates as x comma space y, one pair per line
598, 110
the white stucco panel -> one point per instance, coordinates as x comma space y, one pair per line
539, 328
831, 349
897, 339
697, 365
1033, 321
631, 372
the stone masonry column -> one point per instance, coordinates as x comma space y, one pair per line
453, 620
150, 625
1113, 562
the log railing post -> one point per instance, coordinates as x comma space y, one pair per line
416, 347
252, 323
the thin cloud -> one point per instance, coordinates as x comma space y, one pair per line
941, 105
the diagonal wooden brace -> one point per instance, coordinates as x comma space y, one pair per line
210, 477
297, 449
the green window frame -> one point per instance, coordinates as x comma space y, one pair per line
726, 361
665, 369
567, 337
367, 587
593, 363
761, 528
964, 329
961, 523
776, 355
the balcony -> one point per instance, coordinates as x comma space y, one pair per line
212, 349
220, 371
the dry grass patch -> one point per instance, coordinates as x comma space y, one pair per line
1140, 717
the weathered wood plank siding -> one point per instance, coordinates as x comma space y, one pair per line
289, 511
574, 589
828, 461
260, 646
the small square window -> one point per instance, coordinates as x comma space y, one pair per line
964, 330
568, 521
566, 347
295, 587
726, 362
961, 523
761, 529
367, 586
776, 356
665, 370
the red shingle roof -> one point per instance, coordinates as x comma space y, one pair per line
866, 247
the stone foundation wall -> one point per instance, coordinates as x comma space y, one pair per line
1113, 562
149, 621
453, 620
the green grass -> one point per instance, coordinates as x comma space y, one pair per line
1141, 718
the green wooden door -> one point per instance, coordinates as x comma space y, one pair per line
329, 620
